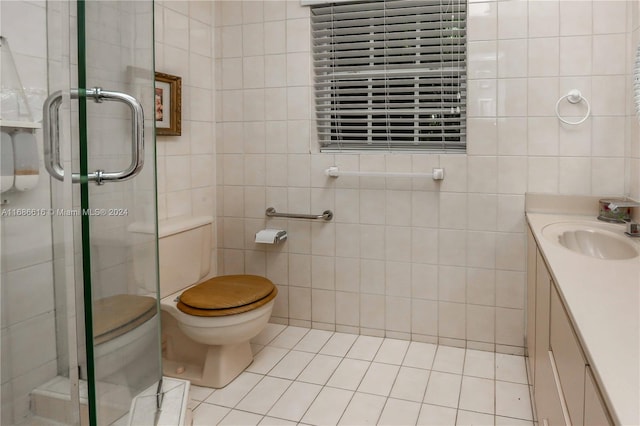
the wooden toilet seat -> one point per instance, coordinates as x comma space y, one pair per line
116, 315
227, 295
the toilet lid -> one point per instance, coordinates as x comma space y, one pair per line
226, 295
116, 315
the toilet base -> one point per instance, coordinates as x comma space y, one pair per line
199, 359
220, 366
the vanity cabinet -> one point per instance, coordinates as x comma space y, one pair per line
564, 388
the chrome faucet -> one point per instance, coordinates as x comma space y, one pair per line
613, 206
633, 228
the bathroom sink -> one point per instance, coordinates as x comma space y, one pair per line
599, 241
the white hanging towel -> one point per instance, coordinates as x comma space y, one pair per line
25, 154
6, 163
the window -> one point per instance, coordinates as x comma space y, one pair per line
390, 75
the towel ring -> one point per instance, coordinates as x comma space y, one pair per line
573, 97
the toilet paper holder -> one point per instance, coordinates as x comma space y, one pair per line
271, 236
280, 237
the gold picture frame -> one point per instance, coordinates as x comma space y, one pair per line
168, 98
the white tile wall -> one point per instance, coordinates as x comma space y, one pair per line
27, 322
185, 41
402, 257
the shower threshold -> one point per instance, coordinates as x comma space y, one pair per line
51, 404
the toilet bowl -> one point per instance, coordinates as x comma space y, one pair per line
238, 302
123, 330
207, 324
210, 346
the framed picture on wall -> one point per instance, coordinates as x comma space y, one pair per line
168, 104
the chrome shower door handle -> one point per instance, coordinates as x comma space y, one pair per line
52, 135
137, 134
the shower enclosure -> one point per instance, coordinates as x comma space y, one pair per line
80, 323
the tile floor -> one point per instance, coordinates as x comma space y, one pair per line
316, 377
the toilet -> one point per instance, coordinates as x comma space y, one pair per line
206, 325
125, 328
125, 315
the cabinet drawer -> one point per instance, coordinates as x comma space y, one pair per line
595, 412
570, 361
546, 392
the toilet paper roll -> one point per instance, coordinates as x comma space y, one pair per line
271, 236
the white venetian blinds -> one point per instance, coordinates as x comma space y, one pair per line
390, 75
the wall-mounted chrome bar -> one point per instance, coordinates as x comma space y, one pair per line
51, 135
326, 215
437, 174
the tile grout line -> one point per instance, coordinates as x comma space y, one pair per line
386, 398
327, 381
274, 366
464, 360
360, 382
257, 383
424, 393
495, 389
395, 380
296, 378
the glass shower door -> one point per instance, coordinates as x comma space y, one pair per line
80, 341
118, 199
99, 149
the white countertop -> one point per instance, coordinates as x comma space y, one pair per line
603, 300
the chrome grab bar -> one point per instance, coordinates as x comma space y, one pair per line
326, 215
51, 137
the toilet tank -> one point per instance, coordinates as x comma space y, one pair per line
184, 252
